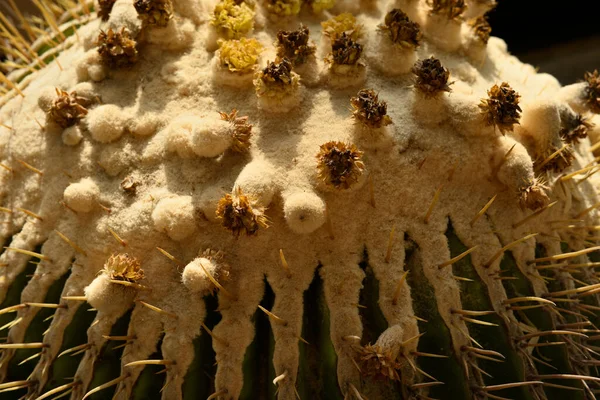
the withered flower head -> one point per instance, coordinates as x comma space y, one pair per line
575, 128
368, 110
501, 108
242, 131
123, 267
129, 185
67, 109
431, 77
533, 196
592, 90
452, 9
237, 214
278, 73
482, 28
117, 49
378, 363
294, 45
401, 29
154, 12
339, 165
104, 8
345, 51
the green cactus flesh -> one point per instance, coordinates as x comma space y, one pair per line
401, 210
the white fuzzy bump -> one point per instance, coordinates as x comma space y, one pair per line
258, 179
46, 98
82, 196
72, 136
106, 123
194, 277
304, 212
175, 216
210, 137
109, 298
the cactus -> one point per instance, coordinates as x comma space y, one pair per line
293, 199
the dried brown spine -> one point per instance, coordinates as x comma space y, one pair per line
401, 29
345, 51
154, 12
501, 108
294, 45
431, 77
237, 214
368, 110
340, 165
592, 90
67, 109
117, 49
242, 131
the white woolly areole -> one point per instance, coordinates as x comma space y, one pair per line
72, 136
194, 277
106, 123
82, 196
258, 179
175, 216
107, 297
210, 136
304, 212
46, 98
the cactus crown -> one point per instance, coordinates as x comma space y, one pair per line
117, 49
401, 29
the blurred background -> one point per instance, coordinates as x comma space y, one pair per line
559, 37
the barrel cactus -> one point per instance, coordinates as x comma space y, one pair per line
293, 199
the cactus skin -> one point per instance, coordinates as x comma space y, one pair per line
451, 234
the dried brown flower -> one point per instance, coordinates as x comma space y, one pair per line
453, 9
533, 196
401, 29
339, 164
431, 77
376, 362
482, 28
278, 73
129, 185
117, 49
242, 131
67, 109
592, 90
123, 267
104, 8
368, 110
237, 214
575, 128
154, 12
345, 51
501, 108
294, 45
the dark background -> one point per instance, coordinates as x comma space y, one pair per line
560, 37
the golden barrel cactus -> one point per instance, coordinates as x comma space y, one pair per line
286, 199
